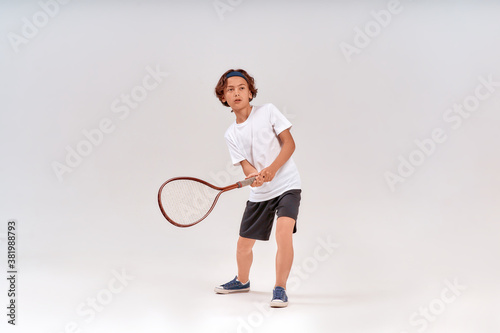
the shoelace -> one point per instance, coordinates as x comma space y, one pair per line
279, 294
232, 283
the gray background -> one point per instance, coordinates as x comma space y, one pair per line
396, 250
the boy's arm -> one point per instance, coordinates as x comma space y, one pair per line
287, 149
250, 171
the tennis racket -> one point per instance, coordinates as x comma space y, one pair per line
186, 201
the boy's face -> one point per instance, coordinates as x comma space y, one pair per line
237, 94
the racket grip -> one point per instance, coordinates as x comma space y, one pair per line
245, 182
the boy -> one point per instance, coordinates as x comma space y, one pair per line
260, 141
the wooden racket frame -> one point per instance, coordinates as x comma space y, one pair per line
221, 190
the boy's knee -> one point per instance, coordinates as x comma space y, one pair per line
284, 225
284, 231
245, 245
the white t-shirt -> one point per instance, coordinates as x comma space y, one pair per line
256, 140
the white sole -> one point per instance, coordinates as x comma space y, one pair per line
279, 304
227, 291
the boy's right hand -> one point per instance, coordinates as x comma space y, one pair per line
258, 179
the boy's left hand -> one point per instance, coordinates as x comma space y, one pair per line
267, 174
258, 179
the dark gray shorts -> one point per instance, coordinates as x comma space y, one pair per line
258, 217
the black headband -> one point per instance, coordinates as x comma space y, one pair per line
236, 73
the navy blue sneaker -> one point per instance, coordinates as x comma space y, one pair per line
233, 286
280, 299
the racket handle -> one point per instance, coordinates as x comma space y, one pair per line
245, 182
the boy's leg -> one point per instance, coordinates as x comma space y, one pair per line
244, 258
284, 255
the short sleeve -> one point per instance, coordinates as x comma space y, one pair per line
234, 152
278, 120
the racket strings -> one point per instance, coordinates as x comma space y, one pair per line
187, 201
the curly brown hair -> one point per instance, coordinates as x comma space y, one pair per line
222, 85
